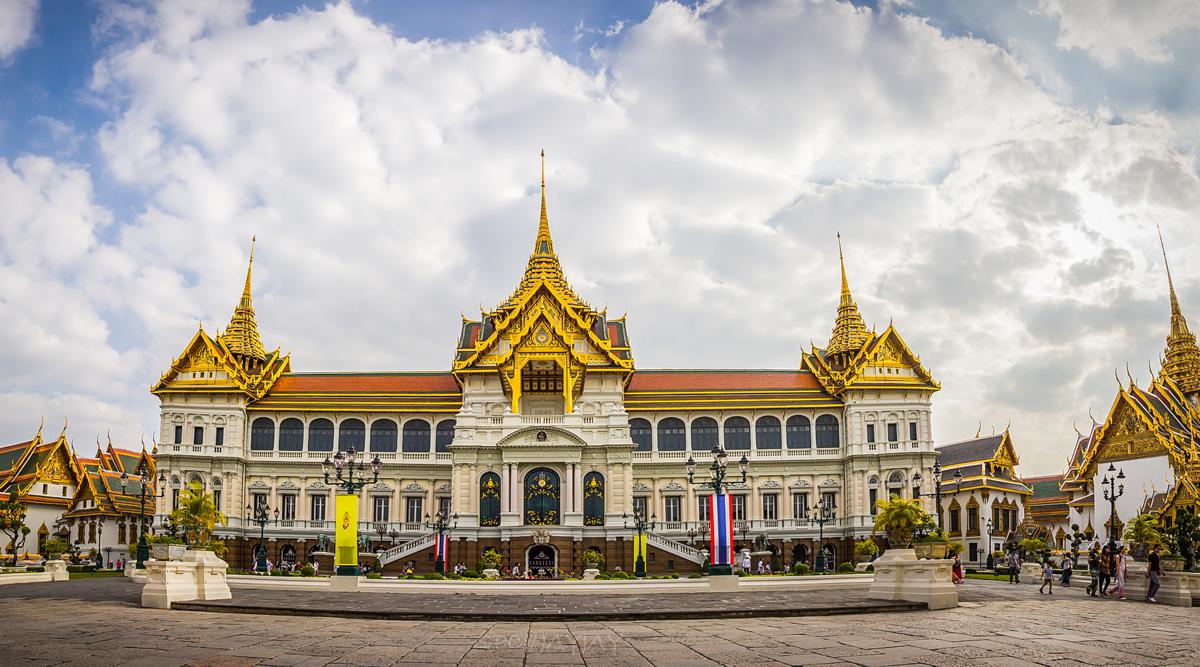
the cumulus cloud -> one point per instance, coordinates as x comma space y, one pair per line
17, 21
712, 154
1110, 29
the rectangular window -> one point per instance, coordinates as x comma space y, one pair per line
829, 499
916, 492
893, 432
179, 435
874, 499
217, 499
739, 507
287, 511
220, 436
702, 508
639, 507
769, 510
912, 431
174, 499
870, 433
671, 508
381, 509
955, 521
259, 500
413, 510
973, 519
800, 505
316, 508
45, 489
444, 506
198, 435
974, 553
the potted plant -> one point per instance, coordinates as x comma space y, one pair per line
1186, 533
55, 547
866, 550
198, 516
900, 519
165, 547
491, 559
1033, 548
593, 562
1143, 532
931, 543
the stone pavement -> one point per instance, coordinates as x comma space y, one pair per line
87, 623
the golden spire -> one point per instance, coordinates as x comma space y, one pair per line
241, 336
543, 245
849, 331
1183, 357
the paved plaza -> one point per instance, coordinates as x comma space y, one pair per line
96, 623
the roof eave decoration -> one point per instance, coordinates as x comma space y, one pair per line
886, 350
204, 354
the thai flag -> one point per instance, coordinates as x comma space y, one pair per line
441, 547
720, 525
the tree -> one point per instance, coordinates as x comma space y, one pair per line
1186, 532
12, 523
899, 519
198, 515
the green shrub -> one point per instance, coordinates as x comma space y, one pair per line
377, 575
81, 568
870, 568
278, 573
470, 574
621, 574
307, 571
801, 569
490, 558
603, 576
740, 573
35, 568
674, 575
453, 575
432, 575
695, 576
845, 567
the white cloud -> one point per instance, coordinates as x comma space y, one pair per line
695, 179
17, 21
1111, 29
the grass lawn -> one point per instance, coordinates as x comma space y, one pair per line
93, 575
987, 576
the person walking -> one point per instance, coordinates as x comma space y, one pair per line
1119, 572
1066, 571
1093, 568
1014, 567
1105, 571
1047, 577
956, 571
1153, 572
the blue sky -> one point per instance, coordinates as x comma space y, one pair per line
997, 171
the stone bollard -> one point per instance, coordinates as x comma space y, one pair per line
211, 583
130, 567
1031, 573
57, 570
169, 581
900, 576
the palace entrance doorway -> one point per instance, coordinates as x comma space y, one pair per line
541, 560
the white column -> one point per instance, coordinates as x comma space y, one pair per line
506, 481
577, 494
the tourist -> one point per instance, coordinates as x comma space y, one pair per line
1119, 573
1153, 572
746, 562
1105, 571
1014, 567
760, 567
1066, 571
1047, 577
956, 571
516, 571
1093, 568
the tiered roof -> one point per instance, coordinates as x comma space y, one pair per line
987, 462
25, 466
1049, 503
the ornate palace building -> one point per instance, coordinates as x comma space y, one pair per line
542, 436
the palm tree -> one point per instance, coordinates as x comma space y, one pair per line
899, 519
198, 515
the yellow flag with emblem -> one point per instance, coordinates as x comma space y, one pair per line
346, 532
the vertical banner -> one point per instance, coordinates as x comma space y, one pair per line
347, 530
720, 529
639, 549
441, 549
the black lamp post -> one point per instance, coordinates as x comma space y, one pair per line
823, 512
442, 524
642, 526
716, 481
260, 515
937, 487
1115, 488
344, 466
394, 534
99, 540
143, 549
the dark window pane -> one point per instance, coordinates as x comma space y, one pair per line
320, 435
352, 433
767, 433
671, 435
704, 434
416, 436
489, 499
737, 433
262, 434
383, 435
799, 432
291, 435
827, 432
593, 499
445, 435
639, 432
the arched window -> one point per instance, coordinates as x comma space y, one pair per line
671, 435
541, 498
383, 435
262, 434
737, 433
799, 432
767, 433
827, 432
593, 499
639, 431
445, 435
489, 499
291, 435
416, 436
320, 435
704, 434
352, 433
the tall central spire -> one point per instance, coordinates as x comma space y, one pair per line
241, 336
849, 332
543, 245
1182, 356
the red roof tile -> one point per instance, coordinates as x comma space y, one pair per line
715, 380
377, 383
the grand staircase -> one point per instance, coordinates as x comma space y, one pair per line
407, 549
678, 548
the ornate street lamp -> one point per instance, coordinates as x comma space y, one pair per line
641, 526
1113, 491
350, 476
143, 549
716, 481
823, 512
380, 528
99, 540
937, 487
394, 534
442, 524
260, 515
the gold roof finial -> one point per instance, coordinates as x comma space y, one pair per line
543, 245
1182, 355
241, 336
849, 331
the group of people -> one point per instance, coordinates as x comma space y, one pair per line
1107, 569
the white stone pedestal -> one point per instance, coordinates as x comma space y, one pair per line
723, 583
590, 574
57, 570
130, 567
211, 583
343, 583
900, 576
169, 581
1031, 573
1175, 588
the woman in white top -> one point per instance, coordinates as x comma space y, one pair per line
1121, 561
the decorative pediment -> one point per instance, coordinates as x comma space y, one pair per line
413, 487
801, 484
770, 484
380, 486
445, 488
673, 486
829, 484
737, 485
259, 484
288, 485
318, 486
641, 487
